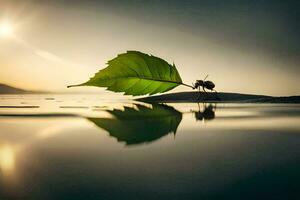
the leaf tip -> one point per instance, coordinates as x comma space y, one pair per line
69, 86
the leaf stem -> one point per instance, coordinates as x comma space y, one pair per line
187, 85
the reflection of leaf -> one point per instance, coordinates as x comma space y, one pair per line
136, 73
142, 125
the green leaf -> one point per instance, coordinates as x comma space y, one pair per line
136, 73
141, 125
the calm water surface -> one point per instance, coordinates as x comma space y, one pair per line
89, 147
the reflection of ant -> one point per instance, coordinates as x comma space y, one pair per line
208, 112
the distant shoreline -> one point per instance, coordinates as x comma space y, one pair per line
6, 89
220, 97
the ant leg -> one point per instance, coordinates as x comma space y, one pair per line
216, 93
205, 96
199, 95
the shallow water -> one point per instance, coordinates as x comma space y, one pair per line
89, 147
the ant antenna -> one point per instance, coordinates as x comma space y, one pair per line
205, 77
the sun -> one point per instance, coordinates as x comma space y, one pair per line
6, 29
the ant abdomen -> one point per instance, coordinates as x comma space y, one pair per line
209, 85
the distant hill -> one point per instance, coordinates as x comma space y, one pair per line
220, 97
6, 89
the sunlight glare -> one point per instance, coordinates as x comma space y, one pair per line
7, 159
6, 29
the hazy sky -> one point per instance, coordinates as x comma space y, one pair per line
244, 46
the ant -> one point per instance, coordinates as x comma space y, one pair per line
204, 84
